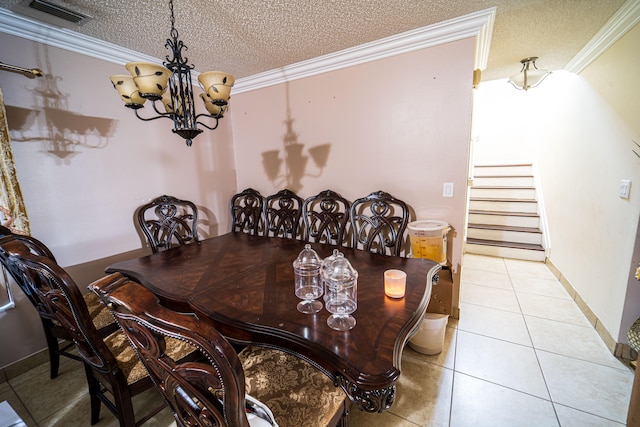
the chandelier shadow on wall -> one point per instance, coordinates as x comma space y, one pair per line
171, 85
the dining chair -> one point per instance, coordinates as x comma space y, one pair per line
283, 214
111, 365
58, 339
378, 223
326, 216
167, 222
224, 388
246, 212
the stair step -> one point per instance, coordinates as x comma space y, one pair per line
505, 228
520, 235
502, 213
503, 192
506, 252
503, 170
518, 219
516, 180
504, 205
515, 245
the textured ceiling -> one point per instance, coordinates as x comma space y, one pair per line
247, 37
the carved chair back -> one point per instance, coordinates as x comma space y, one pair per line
34, 246
325, 217
246, 212
283, 214
378, 223
110, 363
167, 222
53, 331
210, 391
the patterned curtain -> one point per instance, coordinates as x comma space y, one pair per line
13, 213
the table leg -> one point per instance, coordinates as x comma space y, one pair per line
368, 400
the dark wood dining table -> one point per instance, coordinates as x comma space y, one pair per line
244, 285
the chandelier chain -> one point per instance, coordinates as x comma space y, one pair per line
172, 19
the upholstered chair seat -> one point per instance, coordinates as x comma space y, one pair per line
99, 313
297, 393
128, 361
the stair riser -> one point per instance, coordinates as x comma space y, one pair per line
522, 170
513, 181
496, 251
512, 221
503, 193
485, 205
505, 236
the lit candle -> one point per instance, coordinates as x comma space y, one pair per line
395, 282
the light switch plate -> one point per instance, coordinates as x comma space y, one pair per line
447, 189
625, 188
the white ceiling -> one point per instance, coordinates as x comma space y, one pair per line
247, 37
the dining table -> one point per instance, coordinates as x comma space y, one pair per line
245, 285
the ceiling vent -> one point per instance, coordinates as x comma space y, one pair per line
52, 13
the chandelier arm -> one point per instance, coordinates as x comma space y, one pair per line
165, 114
160, 116
203, 124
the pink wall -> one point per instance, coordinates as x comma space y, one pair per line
81, 198
400, 124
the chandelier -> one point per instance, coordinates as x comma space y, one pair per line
171, 85
528, 77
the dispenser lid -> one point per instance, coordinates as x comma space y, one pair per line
340, 270
307, 257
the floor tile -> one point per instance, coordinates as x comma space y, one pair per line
580, 342
558, 309
570, 417
490, 322
487, 278
588, 387
480, 403
78, 414
486, 263
41, 395
486, 296
7, 394
423, 393
517, 267
359, 418
511, 365
534, 285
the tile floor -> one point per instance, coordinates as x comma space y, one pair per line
522, 354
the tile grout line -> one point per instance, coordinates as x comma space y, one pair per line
535, 353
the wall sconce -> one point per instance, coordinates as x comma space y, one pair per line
528, 76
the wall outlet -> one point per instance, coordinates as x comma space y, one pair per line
447, 189
625, 188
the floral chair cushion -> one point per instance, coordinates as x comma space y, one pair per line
298, 394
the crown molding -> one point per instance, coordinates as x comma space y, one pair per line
26, 28
478, 24
617, 26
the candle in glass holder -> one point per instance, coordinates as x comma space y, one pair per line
395, 282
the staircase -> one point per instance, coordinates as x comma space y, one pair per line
504, 219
